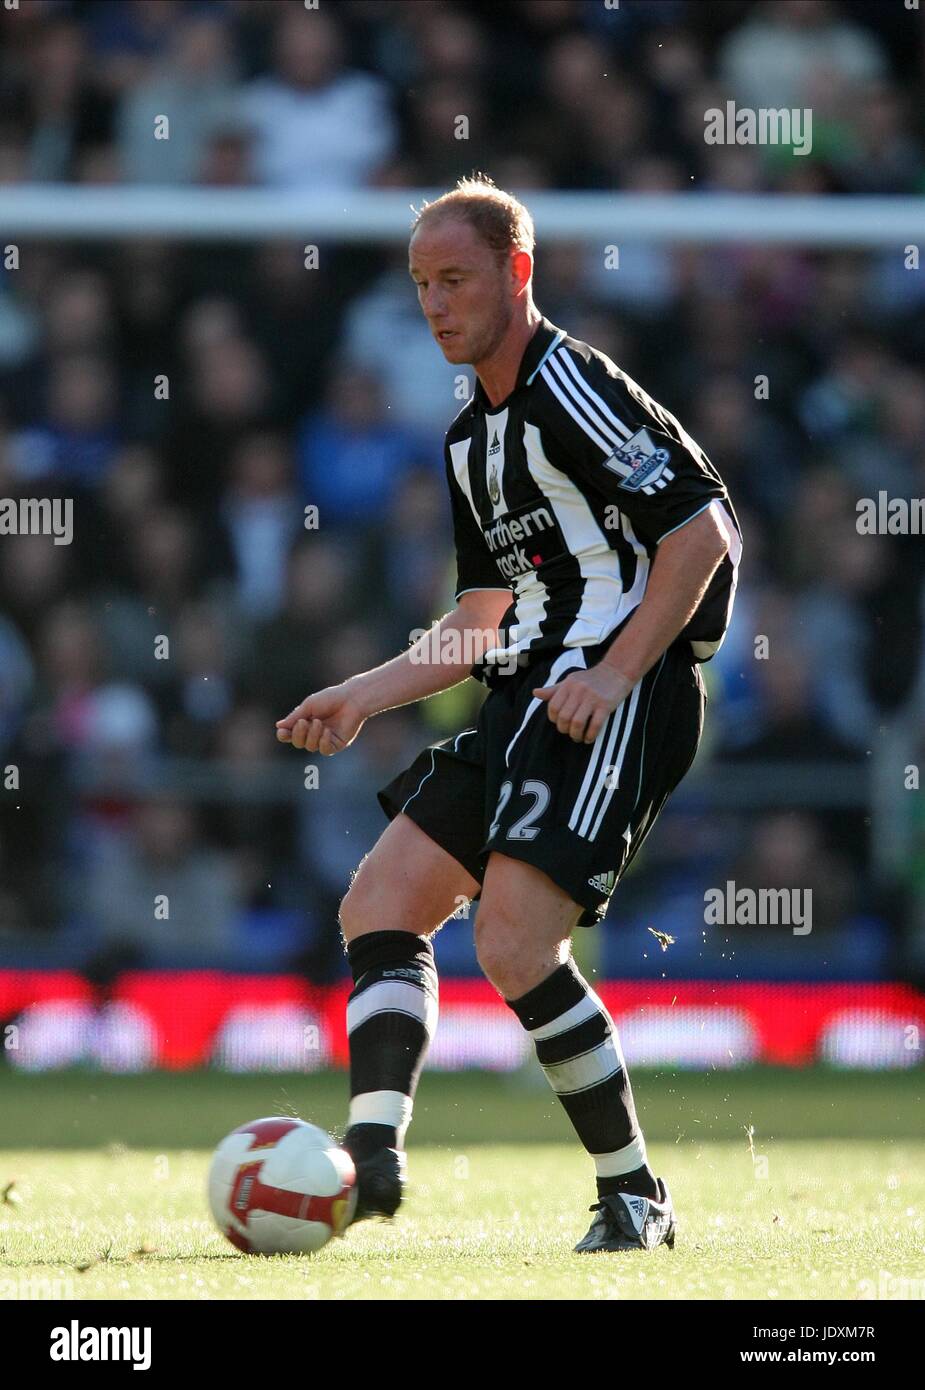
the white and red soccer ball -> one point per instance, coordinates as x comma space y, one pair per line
281, 1187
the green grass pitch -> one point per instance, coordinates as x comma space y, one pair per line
825, 1200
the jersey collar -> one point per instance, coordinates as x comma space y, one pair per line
541, 346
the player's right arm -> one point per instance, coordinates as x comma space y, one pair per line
331, 719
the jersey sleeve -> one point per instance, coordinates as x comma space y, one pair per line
475, 565
606, 433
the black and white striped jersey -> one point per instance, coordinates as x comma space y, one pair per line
562, 494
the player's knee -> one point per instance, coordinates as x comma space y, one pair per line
372, 904
497, 951
357, 914
514, 950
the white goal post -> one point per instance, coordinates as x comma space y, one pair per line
65, 212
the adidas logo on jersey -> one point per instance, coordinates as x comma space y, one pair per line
495, 446
604, 883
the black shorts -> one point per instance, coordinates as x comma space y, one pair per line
577, 811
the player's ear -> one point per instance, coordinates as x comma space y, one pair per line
521, 269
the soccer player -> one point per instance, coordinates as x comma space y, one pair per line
596, 554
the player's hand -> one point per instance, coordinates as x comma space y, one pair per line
324, 723
580, 704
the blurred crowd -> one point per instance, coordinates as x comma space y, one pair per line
195, 399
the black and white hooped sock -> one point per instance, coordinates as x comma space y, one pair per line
578, 1047
391, 1017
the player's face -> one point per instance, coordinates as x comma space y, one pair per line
466, 296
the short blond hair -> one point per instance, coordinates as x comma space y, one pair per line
499, 218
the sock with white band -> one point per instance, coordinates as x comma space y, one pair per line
578, 1047
391, 1017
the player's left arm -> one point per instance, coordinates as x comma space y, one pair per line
607, 434
684, 564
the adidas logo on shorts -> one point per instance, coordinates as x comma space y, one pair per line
604, 883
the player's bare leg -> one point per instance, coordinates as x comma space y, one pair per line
405, 888
405, 883
523, 932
